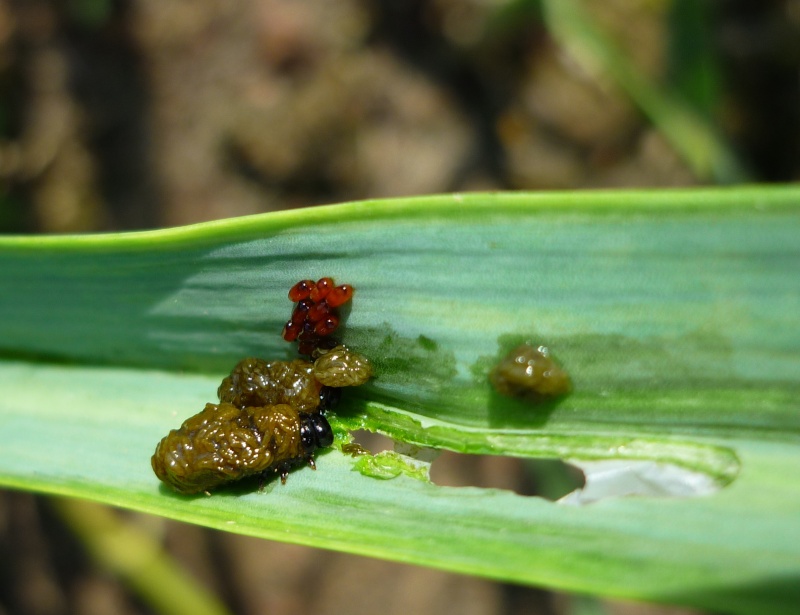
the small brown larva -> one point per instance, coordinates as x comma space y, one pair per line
341, 367
271, 413
530, 373
255, 382
223, 443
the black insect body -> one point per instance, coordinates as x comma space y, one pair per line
328, 398
223, 443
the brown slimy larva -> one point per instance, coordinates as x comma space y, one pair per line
341, 367
255, 382
530, 373
271, 413
223, 443
300, 383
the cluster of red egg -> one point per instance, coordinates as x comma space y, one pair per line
316, 315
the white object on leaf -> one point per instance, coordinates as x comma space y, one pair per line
619, 478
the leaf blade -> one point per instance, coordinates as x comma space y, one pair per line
675, 312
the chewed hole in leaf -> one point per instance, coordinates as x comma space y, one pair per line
614, 478
375, 457
371, 441
575, 483
547, 478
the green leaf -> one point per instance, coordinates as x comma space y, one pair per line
676, 314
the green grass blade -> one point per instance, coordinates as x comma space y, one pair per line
693, 137
692, 61
136, 558
676, 313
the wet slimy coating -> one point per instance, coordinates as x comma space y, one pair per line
255, 382
530, 373
223, 443
300, 383
341, 367
271, 413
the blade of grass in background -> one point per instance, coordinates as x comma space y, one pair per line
133, 555
693, 70
691, 134
676, 313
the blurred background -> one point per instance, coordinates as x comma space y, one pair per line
132, 114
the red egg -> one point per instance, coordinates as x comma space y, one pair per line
326, 326
318, 312
315, 316
321, 289
300, 312
339, 295
307, 347
290, 331
301, 290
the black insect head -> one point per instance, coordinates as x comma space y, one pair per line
315, 432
